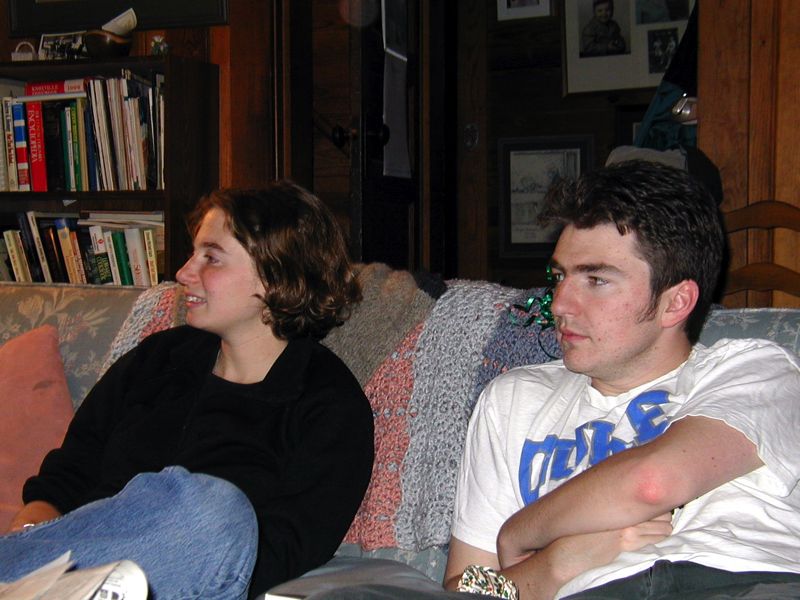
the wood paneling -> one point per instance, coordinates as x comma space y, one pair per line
748, 120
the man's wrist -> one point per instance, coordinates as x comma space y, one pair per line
486, 581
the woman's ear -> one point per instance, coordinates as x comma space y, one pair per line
679, 302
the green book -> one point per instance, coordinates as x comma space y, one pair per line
121, 250
76, 147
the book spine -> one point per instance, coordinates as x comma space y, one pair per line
21, 146
17, 255
3, 162
29, 248
69, 159
137, 257
112, 257
76, 147
6, 270
83, 160
65, 86
38, 166
39, 245
11, 152
121, 252
52, 249
65, 242
86, 250
101, 258
53, 146
77, 256
150, 251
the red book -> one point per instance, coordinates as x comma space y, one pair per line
36, 158
54, 87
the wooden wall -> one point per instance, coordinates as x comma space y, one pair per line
748, 120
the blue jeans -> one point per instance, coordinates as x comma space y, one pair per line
195, 536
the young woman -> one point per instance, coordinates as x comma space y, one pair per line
232, 446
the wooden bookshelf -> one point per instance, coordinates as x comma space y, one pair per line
191, 144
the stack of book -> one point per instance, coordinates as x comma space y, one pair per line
79, 135
96, 247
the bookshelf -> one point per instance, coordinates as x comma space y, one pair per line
191, 144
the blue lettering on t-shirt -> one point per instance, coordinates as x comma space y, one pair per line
594, 441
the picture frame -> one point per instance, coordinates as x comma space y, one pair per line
522, 9
629, 47
527, 168
29, 18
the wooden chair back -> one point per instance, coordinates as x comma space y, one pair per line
763, 277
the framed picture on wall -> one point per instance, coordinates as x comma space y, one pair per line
522, 9
528, 167
35, 17
620, 44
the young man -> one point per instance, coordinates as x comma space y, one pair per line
642, 465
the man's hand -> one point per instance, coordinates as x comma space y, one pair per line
542, 574
33, 512
597, 548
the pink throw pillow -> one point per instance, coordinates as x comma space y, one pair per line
35, 410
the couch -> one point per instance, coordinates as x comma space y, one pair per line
422, 348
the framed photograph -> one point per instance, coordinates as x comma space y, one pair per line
528, 167
620, 44
35, 17
60, 46
522, 9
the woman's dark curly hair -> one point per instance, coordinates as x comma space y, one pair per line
299, 252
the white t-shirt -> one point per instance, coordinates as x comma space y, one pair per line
535, 427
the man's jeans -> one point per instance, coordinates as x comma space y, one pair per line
195, 536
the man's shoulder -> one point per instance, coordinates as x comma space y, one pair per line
528, 378
749, 349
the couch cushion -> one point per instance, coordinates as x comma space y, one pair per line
781, 325
87, 318
35, 410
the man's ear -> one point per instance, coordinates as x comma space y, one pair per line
678, 302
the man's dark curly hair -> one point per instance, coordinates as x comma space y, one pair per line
299, 251
677, 224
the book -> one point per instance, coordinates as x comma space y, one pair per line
36, 147
121, 253
41, 97
53, 146
66, 141
152, 255
80, 124
64, 86
52, 249
102, 134
29, 247
112, 257
21, 146
78, 254
10, 150
119, 580
39, 245
77, 167
17, 255
137, 258
65, 243
6, 270
101, 258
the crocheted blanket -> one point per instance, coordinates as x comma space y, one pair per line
392, 305
422, 397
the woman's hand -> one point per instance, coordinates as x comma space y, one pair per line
34, 512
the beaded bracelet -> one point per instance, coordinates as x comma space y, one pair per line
488, 582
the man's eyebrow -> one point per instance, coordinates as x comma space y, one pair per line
588, 268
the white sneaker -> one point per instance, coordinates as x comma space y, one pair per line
126, 582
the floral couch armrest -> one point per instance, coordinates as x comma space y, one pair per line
87, 319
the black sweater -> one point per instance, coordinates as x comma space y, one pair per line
299, 444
